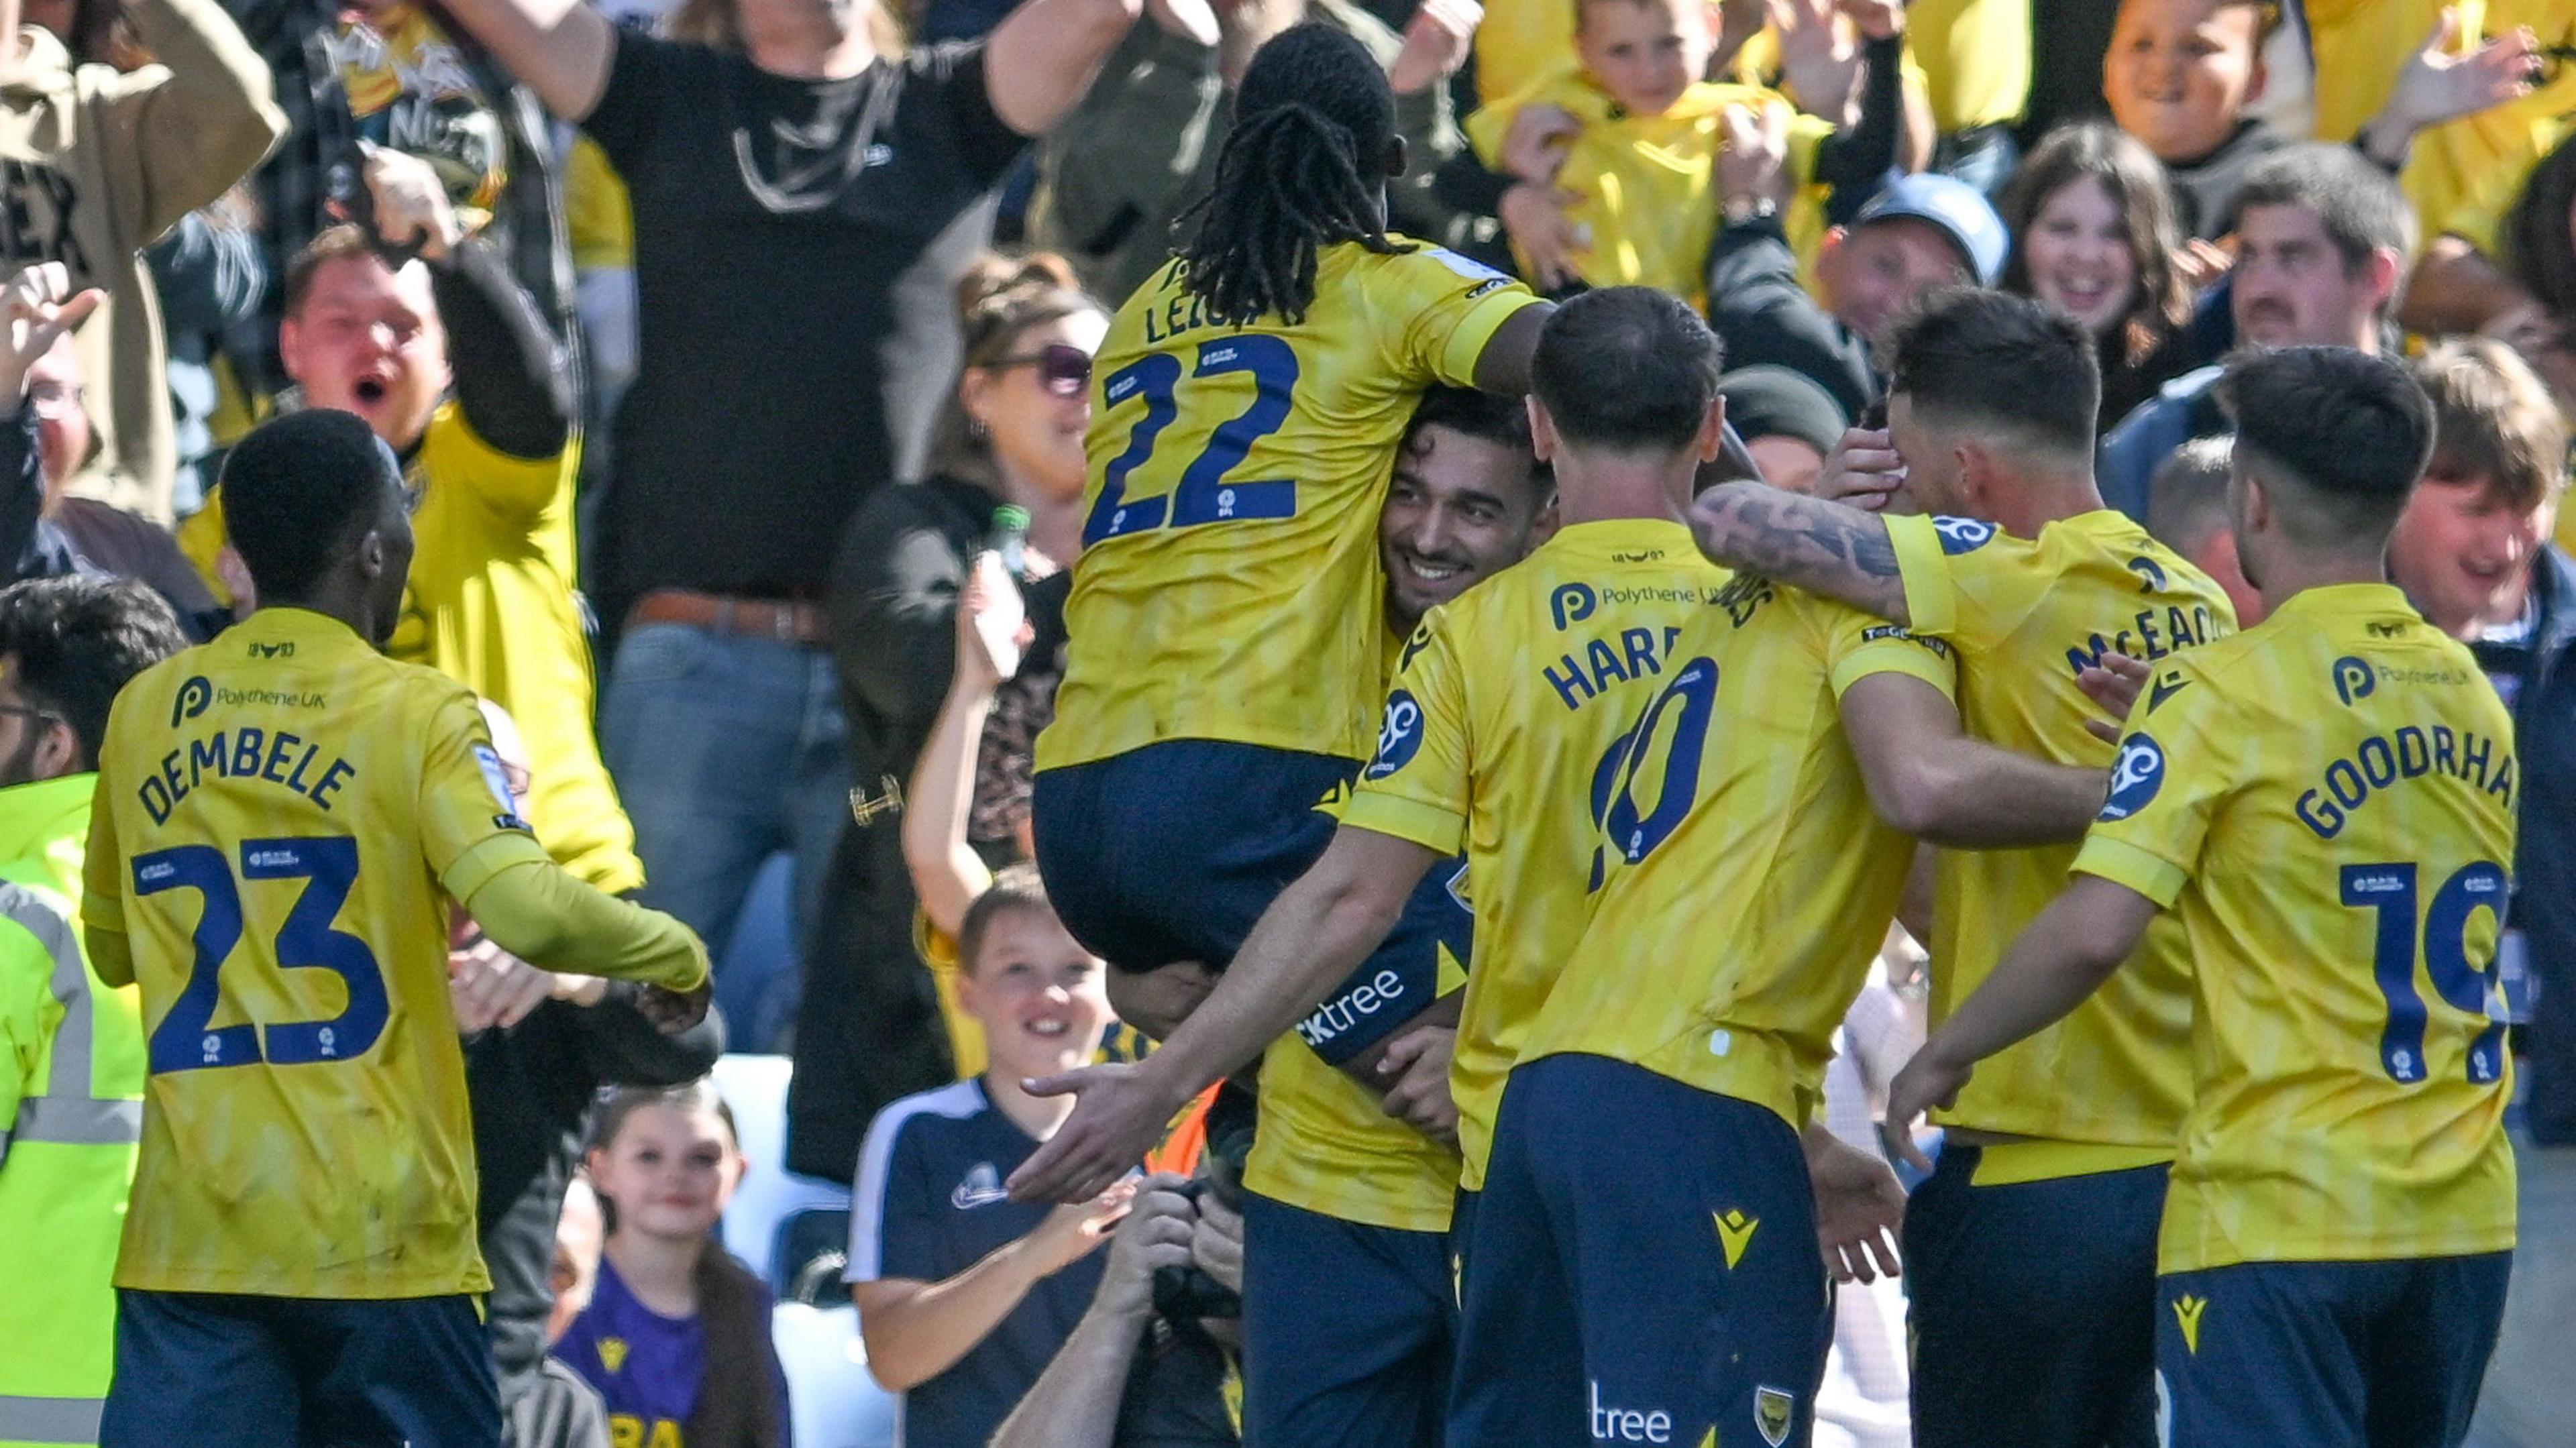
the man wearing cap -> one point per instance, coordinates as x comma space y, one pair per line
1788, 422
1918, 234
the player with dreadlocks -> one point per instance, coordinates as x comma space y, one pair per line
1228, 654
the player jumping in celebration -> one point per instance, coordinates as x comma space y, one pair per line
2326, 802
1227, 643
283, 818
2030, 1255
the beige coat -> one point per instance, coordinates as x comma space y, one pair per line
94, 166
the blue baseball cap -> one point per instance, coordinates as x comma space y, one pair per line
1957, 208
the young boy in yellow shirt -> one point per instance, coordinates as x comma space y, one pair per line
1616, 156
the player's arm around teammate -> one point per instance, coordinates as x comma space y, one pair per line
1926, 775
1307, 943
2065, 955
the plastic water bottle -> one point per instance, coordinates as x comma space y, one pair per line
1011, 539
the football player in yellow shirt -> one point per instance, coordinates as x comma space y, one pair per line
2326, 802
1515, 708
284, 816
1226, 638
1662, 1278
2031, 1253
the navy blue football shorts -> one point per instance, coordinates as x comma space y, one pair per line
221, 1371
1171, 852
1643, 1268
1360, 1323
2032, 1307
2327, 1354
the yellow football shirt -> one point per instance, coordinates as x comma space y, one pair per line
1326, 1143
1509, 707
1747, 881
492, 605
282, 816
1974, 56
1521, 42
2326, 799
2025, 615
1229, 585
2463, 175
1648, 186
1328, 1146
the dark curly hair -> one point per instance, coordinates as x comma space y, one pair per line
1313, 122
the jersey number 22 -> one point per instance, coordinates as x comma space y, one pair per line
1203, 495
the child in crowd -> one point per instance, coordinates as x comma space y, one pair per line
1626, 195
2184, 76
963, 1294
676, 1336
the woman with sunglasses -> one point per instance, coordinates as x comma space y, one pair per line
1009, 437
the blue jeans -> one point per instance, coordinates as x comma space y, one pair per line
727, 749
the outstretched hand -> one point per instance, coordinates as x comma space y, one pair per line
1436, 42
2438, 86
1120, 1112
38, 306
1860, 1208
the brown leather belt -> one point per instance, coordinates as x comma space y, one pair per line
788, 621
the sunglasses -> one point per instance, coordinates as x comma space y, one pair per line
1063, 369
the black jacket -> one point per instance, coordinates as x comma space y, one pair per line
2544, 866
1761, 312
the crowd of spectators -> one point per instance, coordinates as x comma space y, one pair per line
737, 354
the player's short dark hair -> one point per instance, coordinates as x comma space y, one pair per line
2187, 497
299, 489
1986, 361
2338, 437
1014, 887
2358, 204
1302, 168
1487, 417
75, 641
1629, 369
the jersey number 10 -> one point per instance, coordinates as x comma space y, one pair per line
183, 1042
2390, 890
1691, 700
1202, 495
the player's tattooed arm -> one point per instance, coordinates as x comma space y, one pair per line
1822, 547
